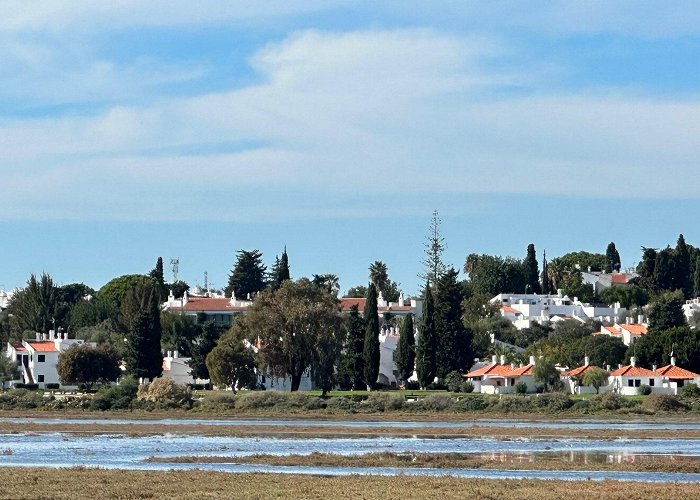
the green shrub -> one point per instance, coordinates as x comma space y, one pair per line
470, 403
253, 400
690, 391
521, 388
438, 385
434, 402
31, 387
52, 387
466, 386
19, 385
218, 401
663, 402
20, 399
555, 401
515, 404
384, 401
608, 401
412, 385
644, 390
454, 380
582, 406
342, 403
118, 397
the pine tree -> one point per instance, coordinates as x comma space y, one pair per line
545, 277
143, 356
371, 347
248, 275
434, 248
159, 278
454, 347
612, 259
405, 354
696, 278
354, 361
532, 273
280, 271
426, 347
664, 272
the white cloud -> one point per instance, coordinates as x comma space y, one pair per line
407, 113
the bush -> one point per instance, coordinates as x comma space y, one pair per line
341, 403
277, 399
31, 387
690, 391
663, 402
454, 380
521, 388
438, 385
118, 397
471, 403
515, 404
19, 385
608, 401
434, 402
20, 399
164, 393
466, 386
52, 387
384, 401
555, 401
412, 385
644, 390
218, 401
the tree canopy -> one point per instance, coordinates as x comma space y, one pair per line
84, 364
248, 274
371, 346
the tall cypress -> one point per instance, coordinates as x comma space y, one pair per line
612, 258
453, 349
696, 278
532, 273
405, 354
681, 267
545, 277
143, 353
354, 350
371, 347
426, 347
280, 270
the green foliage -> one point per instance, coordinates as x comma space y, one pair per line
34, 307
84, 364
612, 259
656, 348
628, 296
9, 369
433, 265
521, 388
371, 345
690, 391
357, 292
583, 260
667, 311
248, 274
384, 401
531, 270
328, 282
294, 324
379, 275
663, 402
141, 307
178, 331
492, 275
454, 340
86, 313
178, 288
351, 369
218, 401
280, 270
118, 397
453, 381
427, 342
276, 399
208, 334
20, 399
546, 374
116, 290
466, 387
643, 390
231, 363
595, 377
405, 354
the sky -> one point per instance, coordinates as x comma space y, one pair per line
143, 128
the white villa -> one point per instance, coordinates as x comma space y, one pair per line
601, 281
4, 299
38, 358
212, 306
525, 309
501, 378
628, 332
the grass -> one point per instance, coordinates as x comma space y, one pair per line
83, 483
510, 461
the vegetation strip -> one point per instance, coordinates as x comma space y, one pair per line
553, 461
84, 483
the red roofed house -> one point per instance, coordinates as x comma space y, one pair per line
495, 378
212, 307
628, 379
385, 309
627, 332
38, 358
674, 377
574, 378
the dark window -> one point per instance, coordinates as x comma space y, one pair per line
637, 382
512, 381
40, 378
19, 358
651, 382
41, 358
630, 383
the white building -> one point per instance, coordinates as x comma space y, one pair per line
178, 370
628, 332
628, 379
691, 308
502, 378
601, 281
210, 306
525, 309
38, 359
4, 299
386, 309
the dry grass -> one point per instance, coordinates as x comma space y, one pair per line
551, 461
77, 484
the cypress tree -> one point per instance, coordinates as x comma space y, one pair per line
532, 273
453, 350
143, 353
545, 276
248, 275
696, 278
354, 349
612, 259
371, 347
664, 270
280, 271
405, 355
681, 267
426, 347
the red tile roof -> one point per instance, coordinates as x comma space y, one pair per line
19, 347
619, 278
635, 329
208, 304
575, 372
672, 371
346, 304
508, 309
500, 371
43, 345
633, 371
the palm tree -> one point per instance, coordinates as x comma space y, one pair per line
379, 275
330, 282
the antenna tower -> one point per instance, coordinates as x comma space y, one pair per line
174, 265
206, 280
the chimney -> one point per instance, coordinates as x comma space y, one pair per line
532, 360
185, 296
653, 367
673, 361
607, 368
169, 354
401, 299
586, 361
503, 359
559, 292
633, 361
38, 336
640, 319
494, 359
175, 354
512, 366
171, 296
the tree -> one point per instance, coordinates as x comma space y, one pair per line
292, 326
280, 271
696, 278
434, 267
681, 268
532, 272
371, 347
664, 273
628, 296
595, 377
178, 331
248, 274
646, 268
405, 354
494, 274
658, 346
178, 288
667, 311
546, 374
231, 363
84, 364
143, 356
352, 361
329, 282
207, 336
159, 278
357, 292
583, 260
9, 370
379, 275
427, 342
115, 290
612, 259
34, 307
454, 341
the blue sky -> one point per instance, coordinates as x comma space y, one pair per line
194, 129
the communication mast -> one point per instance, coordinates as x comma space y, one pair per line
174, 264
206, 280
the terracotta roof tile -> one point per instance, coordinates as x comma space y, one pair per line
508, 309
43, 345
633, 371
575, 372
672, 371
208, 304
635, 329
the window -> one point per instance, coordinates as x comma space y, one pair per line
512, 381
651, 382
40, 378
19, 358
41, 358
637, 382
630, 383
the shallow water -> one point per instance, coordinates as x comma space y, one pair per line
641, 424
